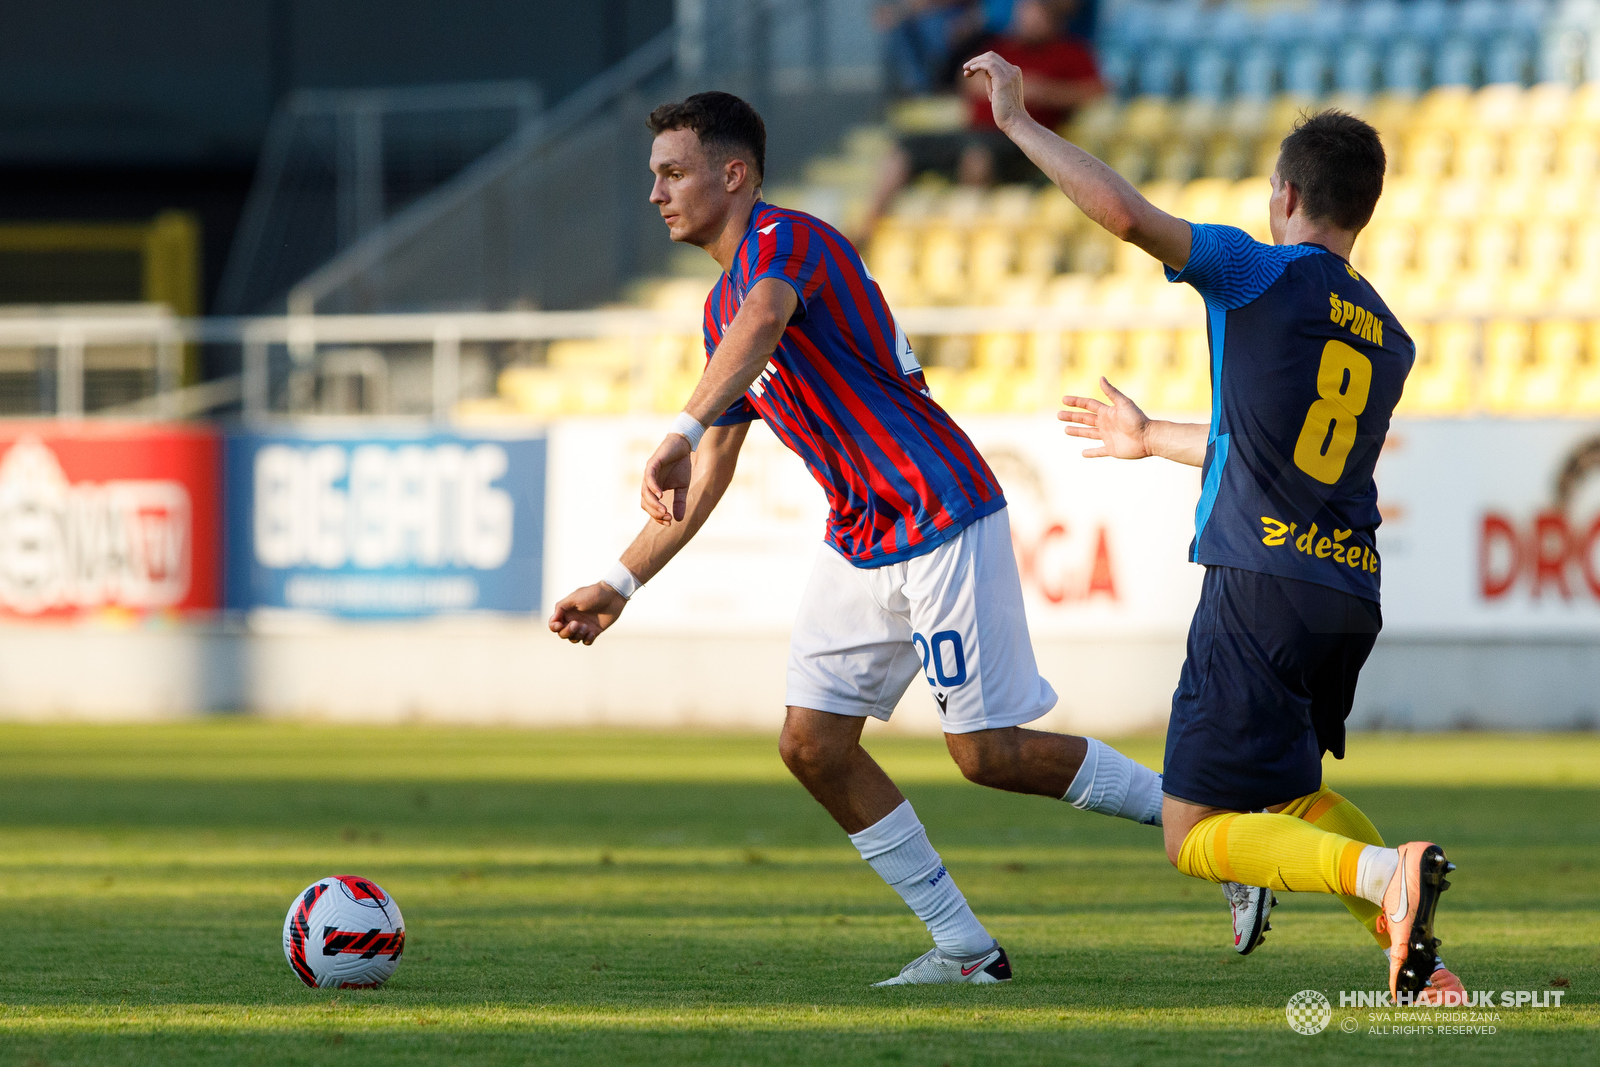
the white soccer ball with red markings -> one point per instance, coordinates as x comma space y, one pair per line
344, 932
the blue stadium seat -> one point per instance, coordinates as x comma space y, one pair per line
1117, 69
1158, 72
1456, 62
1257, 75
1427, 20
1508, 61
1207, 74
1356, 69
1307, 72
1481, 19
1379, 20
1405, 67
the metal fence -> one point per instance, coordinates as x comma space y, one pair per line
424, 365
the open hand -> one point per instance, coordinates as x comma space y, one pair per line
1119, 426
586, 613
668, 472
1005, 86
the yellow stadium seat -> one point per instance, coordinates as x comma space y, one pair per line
991, 257
1492, 247
1567, 197
1547, 105
1579, 153
1525, 294
1246, 207
1040, 252
893, 251
942, 267
1165, 195
1477, 154
1426, 152
1585, 398
1129, 158
1544, 248
1440, 247
1507, 361
1446, 107
1460, 198
1385, 248
1205, 200
1441, 380
1228, 156
1052, 209
1515, 197
610, 354
1558, 349
1585, 251
1003, 352
1184, 383
1585, 110
1147, 355
943, 383
1070, 291
1011, 204
1093, 353
1148, 118
1130, 260
1498, 108
1179, 159
1405, 199
1530, 152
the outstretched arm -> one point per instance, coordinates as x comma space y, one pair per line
738, 361
1100, 192
1125, 432
586, 613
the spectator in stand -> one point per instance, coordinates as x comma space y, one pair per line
919, 41
1061, 75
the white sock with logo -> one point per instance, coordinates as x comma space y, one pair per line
1375, 867
897, 848
1113, 784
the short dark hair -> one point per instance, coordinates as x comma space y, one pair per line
1336, 162
723, 123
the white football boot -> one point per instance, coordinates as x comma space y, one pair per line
1251, 905
932, 968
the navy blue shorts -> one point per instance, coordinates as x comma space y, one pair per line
1267, 684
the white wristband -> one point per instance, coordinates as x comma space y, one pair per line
622, 580
690, 427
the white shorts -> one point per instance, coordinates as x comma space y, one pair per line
953, 615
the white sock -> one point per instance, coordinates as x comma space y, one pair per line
1374, 869
897, 847
1113, 784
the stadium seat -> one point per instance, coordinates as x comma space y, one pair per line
1441, 380
1508, 361
1184, 384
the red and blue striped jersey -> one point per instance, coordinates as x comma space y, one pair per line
845, 393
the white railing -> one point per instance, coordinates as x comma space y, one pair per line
302, 336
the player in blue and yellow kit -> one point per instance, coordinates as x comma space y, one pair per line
1307, 365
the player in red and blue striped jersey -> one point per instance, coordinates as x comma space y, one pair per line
843, 384
915, 574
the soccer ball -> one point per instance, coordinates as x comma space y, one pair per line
344, 932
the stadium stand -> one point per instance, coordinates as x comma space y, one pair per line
1486, 242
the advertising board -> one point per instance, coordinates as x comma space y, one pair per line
98, 517
384, 526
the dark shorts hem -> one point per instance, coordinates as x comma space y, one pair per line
1267, 683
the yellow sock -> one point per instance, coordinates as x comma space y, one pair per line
1280, 851
1329, 811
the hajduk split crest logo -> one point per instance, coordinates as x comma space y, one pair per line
1308, 1012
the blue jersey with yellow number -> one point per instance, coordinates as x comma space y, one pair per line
1307, 364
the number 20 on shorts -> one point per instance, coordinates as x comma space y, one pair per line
1343, 381
944, 651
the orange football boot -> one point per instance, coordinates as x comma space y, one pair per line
1408, 907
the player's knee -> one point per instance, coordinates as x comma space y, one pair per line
808, 755
1173, 836
983, 757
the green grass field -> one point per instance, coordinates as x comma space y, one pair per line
625, 897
